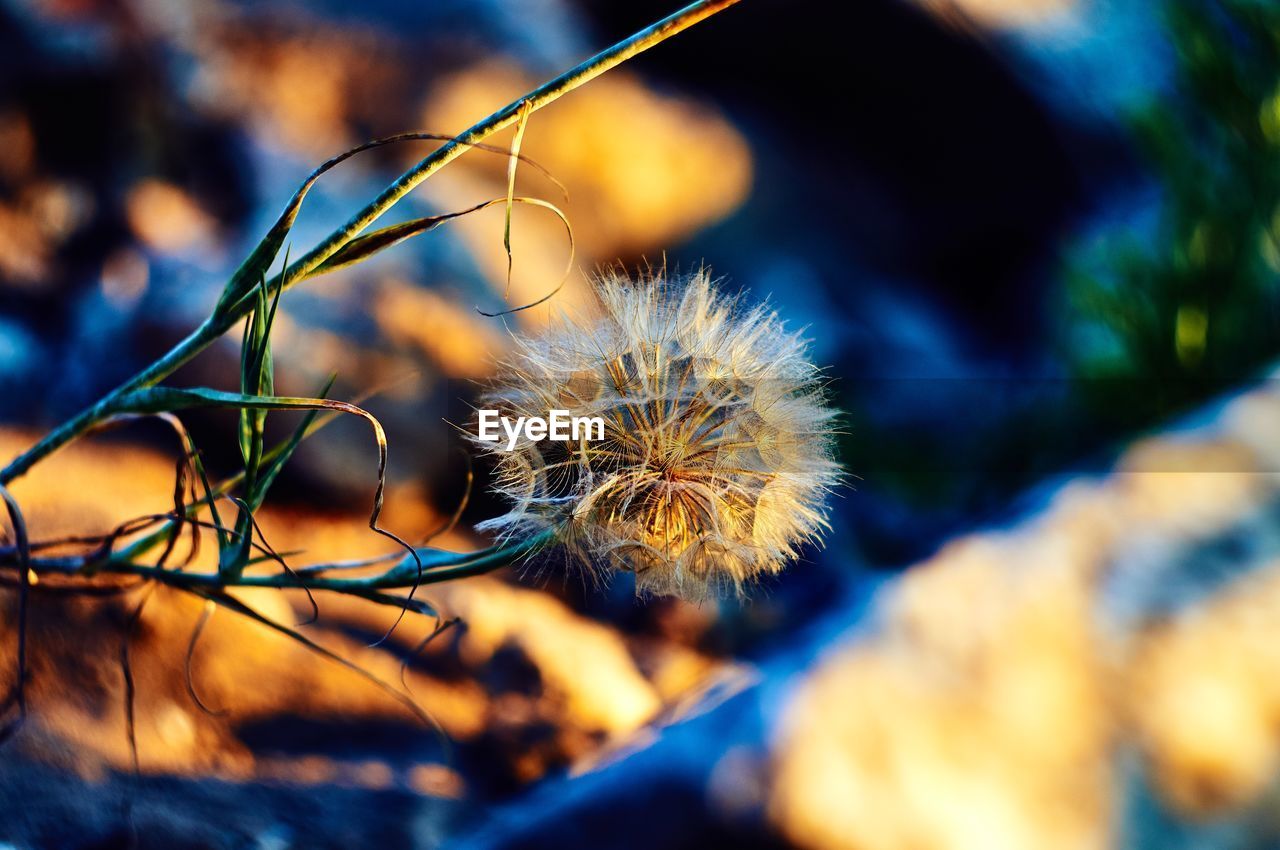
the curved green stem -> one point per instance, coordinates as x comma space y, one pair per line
309, 264
505, 117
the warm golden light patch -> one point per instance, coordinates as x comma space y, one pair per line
166, 218
643, 171
1001, 14
451, 335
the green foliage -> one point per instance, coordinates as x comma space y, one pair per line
1158, 324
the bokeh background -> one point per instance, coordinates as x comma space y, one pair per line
1035, 242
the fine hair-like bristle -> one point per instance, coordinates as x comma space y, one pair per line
717, 457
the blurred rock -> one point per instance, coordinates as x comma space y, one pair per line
167, 219
1001, 14
278, 713
586, 664
994, 700
460, 341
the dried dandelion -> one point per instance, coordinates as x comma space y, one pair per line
716, 459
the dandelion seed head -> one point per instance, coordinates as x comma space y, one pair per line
717, 456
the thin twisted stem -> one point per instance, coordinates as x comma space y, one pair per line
309, 263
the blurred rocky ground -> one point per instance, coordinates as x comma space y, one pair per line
1098, 674
522, 687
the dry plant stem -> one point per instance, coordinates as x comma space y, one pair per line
445, 567
305, 266
23, 550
